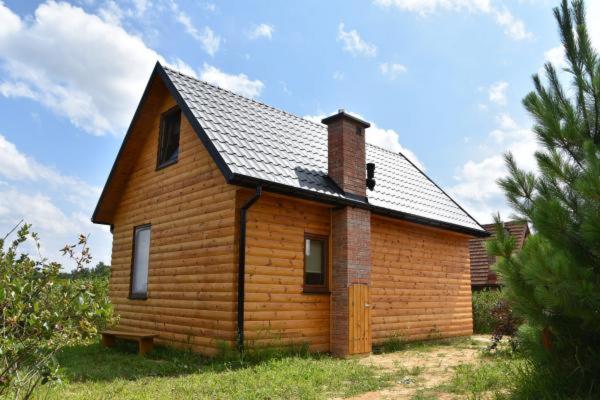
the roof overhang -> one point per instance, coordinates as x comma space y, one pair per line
103, 212
250, 182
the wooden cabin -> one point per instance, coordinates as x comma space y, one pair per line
482, 276
234, 221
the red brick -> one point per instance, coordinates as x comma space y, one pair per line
351, 227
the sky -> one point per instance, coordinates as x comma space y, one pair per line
439, 80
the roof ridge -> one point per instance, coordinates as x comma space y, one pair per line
511, 221
398, 153
243, 97
316, 124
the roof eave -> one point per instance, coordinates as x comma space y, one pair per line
248, 181
95, 218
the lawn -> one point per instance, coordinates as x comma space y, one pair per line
456, 368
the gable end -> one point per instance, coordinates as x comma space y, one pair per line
104, 208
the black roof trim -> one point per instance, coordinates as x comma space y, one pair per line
443, 191
121, 149
210, 147
247, 181
251, 182
208, 144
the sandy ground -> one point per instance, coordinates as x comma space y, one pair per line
435, 363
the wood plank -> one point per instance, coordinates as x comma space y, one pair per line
420, 282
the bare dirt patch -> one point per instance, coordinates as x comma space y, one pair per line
425, 367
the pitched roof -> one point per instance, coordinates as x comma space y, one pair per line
253, 143
480, 261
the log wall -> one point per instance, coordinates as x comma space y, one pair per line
276, 309
192, 272
420, 280
421, 287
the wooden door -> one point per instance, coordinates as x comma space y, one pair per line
360, 319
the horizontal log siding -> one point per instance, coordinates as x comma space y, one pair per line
192, 274
421, 284
276, 310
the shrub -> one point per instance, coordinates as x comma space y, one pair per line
505, 324
484, 302
40, 313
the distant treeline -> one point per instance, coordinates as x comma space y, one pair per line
100, 270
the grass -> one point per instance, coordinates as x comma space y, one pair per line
491, 376
475, 380
398, 343
89, 371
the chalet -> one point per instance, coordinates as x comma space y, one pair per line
482, 277
234, 221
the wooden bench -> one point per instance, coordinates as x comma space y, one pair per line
145, 339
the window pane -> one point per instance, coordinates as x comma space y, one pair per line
169, 138
139, 283
314, 273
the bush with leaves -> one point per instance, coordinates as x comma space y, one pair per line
505, 324
40, 313
554, 281
484, 302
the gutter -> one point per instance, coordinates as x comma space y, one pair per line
246, 181
242, 267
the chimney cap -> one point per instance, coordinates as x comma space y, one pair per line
342, 114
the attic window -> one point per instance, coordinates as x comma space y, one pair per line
168, 140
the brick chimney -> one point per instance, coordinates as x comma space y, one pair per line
346, 152
350, 238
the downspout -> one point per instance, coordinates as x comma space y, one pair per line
242, 267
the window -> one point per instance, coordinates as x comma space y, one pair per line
168, 140
139, 262
315, 264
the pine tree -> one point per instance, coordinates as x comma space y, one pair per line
554, 281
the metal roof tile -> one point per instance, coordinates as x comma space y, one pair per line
262, 142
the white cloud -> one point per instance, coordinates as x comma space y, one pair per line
209, 40
40, 195
497, 92
513, 27
506, 122
111, 13
141, 6
593, 16
16, 167
354, 44
476, 188
338, 76
76, 64
262, 31
424, 7
388, 139
391, 70
16, 89
239, 83
182, 67
556, 56
10, 23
